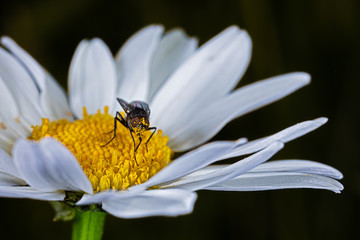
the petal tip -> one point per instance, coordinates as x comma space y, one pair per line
182, 33
49, 140
277, 145
153, 27
339, 189
322, 120
97, 43
304, 77
234, 26
5, 40
339, 176
241, 141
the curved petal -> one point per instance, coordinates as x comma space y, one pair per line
9, 111
188, 163
10, 126
53, 100
7, 164
238, 103
169, 202
9, 180
299, 166
92, 78
97, 198
209, 74
173, 49
284, 136
228, 172
22, 88
133, 63
241, 141
34, 69
277, 180
100, 197
29, 192
281, 166
49, 166
52, 96
5, 145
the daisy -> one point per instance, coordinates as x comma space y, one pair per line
51, 144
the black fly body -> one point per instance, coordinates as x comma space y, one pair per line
136, 119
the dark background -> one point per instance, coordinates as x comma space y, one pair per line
318, 37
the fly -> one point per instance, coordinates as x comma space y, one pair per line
136, 119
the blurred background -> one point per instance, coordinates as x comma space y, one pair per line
318, 37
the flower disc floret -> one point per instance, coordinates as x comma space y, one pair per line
113, 166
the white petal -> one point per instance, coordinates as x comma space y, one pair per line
206, 76
6, 146
170, 202
10, 128
49, 166
52, 96
188, 163
76, 79
246, 99
22, 88
29, 192
230, 171
100, 197
9, 180
133, 63
53, 100
301, 166
241, 141
97, 198
7, 164
284, 136
28, 62
174, 48
92, 78
292, 166
277, 180
281, 166
10, 110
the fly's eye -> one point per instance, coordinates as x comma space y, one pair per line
135, 122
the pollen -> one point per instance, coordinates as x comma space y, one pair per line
3, 126
110, 167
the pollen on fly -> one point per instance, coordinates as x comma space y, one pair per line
136, 119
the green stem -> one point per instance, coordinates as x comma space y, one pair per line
88, 225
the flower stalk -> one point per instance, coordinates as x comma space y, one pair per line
88, 225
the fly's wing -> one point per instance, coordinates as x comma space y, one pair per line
126, 106
142, 105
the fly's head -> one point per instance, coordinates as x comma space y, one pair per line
139, 124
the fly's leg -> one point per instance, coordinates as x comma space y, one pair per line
138, 144
150, 128
117, 118
135, 148
121, 120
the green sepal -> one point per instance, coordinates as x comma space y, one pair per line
63, 212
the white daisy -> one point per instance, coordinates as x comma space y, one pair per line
191, 97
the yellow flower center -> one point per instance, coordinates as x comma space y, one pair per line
112, 166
